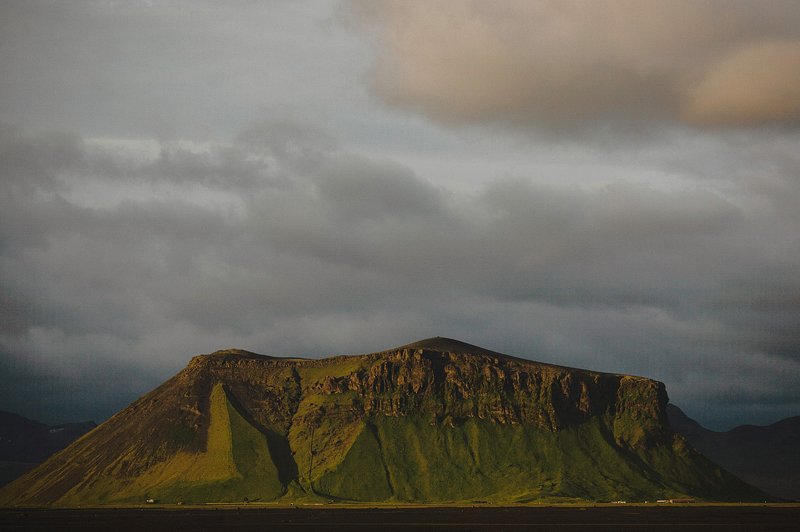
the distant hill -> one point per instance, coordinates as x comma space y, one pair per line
435, 421
24, 443
767, 457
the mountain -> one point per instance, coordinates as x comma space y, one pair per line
433, 421
766, 457
24, 442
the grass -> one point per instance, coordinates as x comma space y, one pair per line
337, 367
362, 475
328, 423
409, 460
236, 465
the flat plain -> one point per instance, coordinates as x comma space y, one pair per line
406, 518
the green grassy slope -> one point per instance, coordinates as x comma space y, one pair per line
234, 442
235, 464
409, 460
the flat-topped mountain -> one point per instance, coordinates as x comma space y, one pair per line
433, 421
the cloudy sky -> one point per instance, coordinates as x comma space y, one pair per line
611, 185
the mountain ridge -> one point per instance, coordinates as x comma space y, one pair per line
765, 456
434, 343
25, 442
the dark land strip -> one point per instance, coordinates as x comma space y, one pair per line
730, 517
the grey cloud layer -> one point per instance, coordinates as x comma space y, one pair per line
572, 66
321, 250
177, 69
156, 227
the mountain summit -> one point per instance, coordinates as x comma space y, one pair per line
433, 421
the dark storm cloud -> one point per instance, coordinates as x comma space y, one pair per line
52, 394
317, 249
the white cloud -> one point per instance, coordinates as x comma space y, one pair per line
572, 67
757, 84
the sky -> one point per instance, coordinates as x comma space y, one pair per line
612, 185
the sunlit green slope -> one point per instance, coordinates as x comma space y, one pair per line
408, 460
237, 465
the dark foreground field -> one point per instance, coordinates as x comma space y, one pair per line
774, 517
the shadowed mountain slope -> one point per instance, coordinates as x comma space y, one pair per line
766, 457
24, 442
433, 421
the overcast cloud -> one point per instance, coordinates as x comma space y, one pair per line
309, 178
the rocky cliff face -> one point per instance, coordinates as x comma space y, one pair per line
454, 383
319, 419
